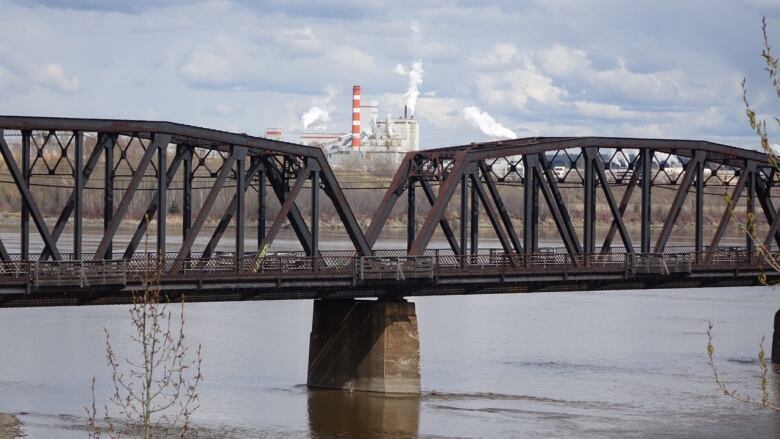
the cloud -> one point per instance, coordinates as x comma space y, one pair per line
498, 55
517, 88
53, 77
299, 42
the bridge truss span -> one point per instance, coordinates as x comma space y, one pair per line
624, 213
581, 183
136, 165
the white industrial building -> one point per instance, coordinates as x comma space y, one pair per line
377, 146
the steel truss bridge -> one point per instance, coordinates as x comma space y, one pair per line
567, 181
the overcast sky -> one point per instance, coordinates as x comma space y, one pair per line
614, 68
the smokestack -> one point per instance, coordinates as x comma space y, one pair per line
356, 117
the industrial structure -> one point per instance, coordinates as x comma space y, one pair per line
377, 146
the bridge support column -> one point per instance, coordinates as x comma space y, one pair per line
776, 339
364, 345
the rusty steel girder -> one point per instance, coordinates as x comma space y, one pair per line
135, 153
549, 164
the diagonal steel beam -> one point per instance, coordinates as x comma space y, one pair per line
104, 141
679, 199
747, 173
27, 198
230, 211
617, 214
151, 209
632, 183
449, 234
285, 208
492, 214
545, 172
339, 200
4, 256
397, 187
294, 215
205, 209
496, 197
159, 140
557, 212
447, 189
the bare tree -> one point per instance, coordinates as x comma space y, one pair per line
155, 387
759, 126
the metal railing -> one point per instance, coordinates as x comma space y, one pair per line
383, 266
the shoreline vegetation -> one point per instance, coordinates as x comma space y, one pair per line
10, 427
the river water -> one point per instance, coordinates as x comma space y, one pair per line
595, 364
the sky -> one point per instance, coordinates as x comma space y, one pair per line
481, 70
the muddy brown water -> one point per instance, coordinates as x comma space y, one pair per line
596, 364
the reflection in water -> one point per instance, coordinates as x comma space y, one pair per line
336, 413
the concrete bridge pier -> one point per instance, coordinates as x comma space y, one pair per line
776, 339
364, 345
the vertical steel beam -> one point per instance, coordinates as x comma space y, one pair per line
26, 172
27, 197
186, 210
589, 210
490, 211
530, 205
108, 185
205, 209
78, 194
315, 209
260, 203
646, 207
617, 215
464, 209
474, 244
240, 206
461, 162
152, 210
124, 204
162, 197
411, 211
699, 227
89, 167
230, 212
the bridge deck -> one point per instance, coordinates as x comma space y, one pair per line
388, 273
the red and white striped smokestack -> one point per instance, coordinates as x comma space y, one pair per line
356, 117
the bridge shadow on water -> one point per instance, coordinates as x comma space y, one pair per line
336, 413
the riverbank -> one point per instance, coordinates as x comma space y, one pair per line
10, 427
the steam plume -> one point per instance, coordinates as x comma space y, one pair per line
314, 115
485, 123
318, 114
415, 74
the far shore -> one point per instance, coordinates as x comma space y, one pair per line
10, 427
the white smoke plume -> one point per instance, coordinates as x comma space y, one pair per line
318, 114
315, 116
415, 74
485, 123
